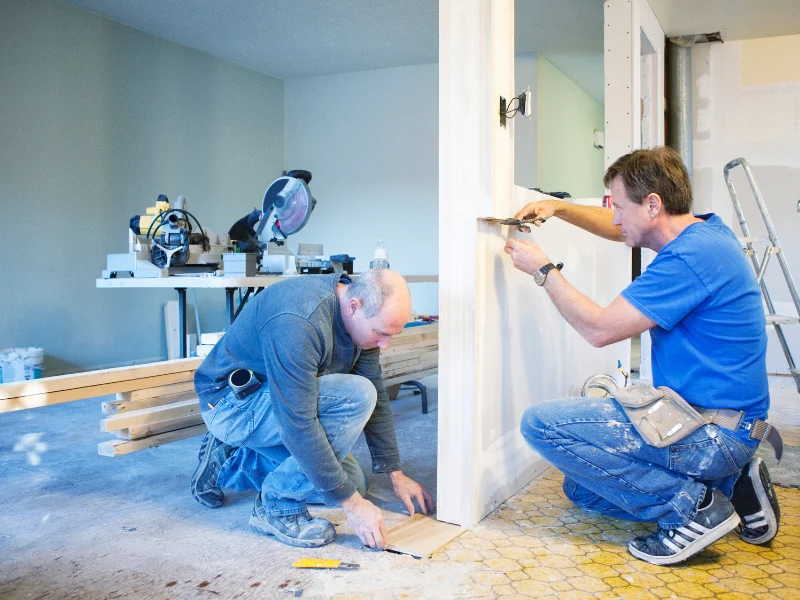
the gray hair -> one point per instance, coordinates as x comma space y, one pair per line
372, 288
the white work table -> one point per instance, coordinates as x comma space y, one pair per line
230, 284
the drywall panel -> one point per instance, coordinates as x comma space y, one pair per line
497, 355
527, 352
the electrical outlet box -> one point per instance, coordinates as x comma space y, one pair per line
526, 103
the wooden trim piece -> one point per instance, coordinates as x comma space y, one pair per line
421, 536
163, 390
433, 340
123, 406
150, 415
38, 387
120, 447
81, 393
150, 429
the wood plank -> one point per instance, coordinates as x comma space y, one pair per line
417, 330
121, 406
421, 535
37, 387
425, 361
150, 415
416, 375
82, 393
149, 429
154, 392
120, 447
407, 354
432, 340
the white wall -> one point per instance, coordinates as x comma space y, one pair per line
96, 120
747, 104
526, 160
370, 139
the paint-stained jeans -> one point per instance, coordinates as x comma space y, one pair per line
610, 469
261, 461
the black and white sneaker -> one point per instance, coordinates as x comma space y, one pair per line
755, 500
670, 546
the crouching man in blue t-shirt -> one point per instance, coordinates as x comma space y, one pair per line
701, 303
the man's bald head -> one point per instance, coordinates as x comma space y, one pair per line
377, 288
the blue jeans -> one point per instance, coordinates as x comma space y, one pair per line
609, 468
261, 462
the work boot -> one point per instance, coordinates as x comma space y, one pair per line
670, 546
213, 454
755, 501
301, 530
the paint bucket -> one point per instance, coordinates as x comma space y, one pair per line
19, 364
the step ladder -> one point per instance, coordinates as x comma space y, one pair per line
760, 265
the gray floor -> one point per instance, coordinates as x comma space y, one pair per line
75, 524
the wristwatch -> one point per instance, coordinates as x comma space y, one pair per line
540, 276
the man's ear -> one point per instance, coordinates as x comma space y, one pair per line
354, 305
654, 204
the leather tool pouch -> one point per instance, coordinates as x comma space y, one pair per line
660, 415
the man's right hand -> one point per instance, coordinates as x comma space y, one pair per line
543, 209
366, 521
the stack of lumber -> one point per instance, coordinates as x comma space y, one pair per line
150, 417
411, 355
155, 402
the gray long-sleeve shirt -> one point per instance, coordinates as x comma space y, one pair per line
289, 335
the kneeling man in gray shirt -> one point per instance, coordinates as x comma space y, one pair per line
285, 394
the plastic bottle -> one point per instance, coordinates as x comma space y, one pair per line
380, 258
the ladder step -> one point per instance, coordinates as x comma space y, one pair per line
754, 240
781, 320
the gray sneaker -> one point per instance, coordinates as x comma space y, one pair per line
213, 454
670, 546
301, 530
755, 500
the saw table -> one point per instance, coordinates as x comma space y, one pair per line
180, 284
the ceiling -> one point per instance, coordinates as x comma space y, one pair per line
302, 38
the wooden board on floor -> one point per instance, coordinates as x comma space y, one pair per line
147, 416
121, 406
155, 392
36, 387
150, 429
421, 535
410, 377
92, 391
120, 447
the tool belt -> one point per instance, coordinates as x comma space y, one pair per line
662, 417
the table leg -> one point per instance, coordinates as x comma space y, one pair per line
184, 351
243, 302
229, 304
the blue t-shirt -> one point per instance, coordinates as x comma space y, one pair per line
710, 339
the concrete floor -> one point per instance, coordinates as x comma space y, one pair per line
77, 525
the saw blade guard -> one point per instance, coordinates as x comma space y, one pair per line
291, 202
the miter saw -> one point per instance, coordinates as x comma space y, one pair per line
285, 210
164, 241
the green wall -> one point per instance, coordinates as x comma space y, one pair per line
566, 119
97, 119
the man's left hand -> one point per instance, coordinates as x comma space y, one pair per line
526, 256
409, 490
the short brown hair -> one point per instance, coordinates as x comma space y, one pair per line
657, 171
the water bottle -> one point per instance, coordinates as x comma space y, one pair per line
380, 258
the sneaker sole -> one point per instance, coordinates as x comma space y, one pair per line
690, 550
766, 503
265, 528
200, 468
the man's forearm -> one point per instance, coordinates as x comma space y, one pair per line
594, 219
578, 310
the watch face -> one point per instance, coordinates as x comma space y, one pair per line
538, 277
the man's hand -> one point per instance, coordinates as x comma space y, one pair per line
526, 256
409, 490
544, 209
366, 521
